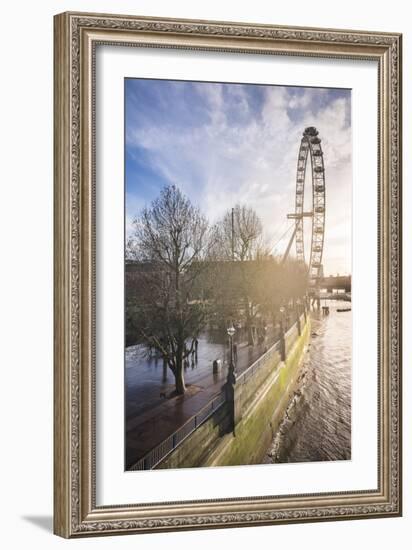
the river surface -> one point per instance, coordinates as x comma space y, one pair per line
317, 423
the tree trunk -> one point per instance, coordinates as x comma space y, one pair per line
165, 367
250, 335
179, 373
179, 378
249, 326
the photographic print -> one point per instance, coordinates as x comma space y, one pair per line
238, 323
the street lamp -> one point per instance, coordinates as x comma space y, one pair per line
298, 310
282, 334
230, 385
231, 376
231, 331
282, 313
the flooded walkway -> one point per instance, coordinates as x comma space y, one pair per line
152, 413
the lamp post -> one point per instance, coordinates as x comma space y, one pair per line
304, 307
298, 302
282, 334
282, 312
307, 301
231, 375
231, 400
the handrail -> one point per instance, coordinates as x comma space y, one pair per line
246, 374
160, 451
250, 371
289, 331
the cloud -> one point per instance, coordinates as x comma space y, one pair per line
239, 143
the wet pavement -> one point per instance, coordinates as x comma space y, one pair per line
153, 412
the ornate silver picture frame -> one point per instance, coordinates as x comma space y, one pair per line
77, 511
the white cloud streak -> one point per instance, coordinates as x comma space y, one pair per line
253, 162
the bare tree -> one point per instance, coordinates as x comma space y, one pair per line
170, 241
239, 237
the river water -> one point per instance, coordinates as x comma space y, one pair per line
317, 423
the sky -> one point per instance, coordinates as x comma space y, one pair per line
224, 143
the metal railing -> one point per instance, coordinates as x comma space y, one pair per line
158, 453
290, 330
254, 367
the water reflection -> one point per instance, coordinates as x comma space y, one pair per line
317, 424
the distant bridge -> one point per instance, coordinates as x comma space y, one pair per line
339, 282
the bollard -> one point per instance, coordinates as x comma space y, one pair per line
217, 366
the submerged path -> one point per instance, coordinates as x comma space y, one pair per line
150, 417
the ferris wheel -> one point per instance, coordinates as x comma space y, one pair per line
310, 143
